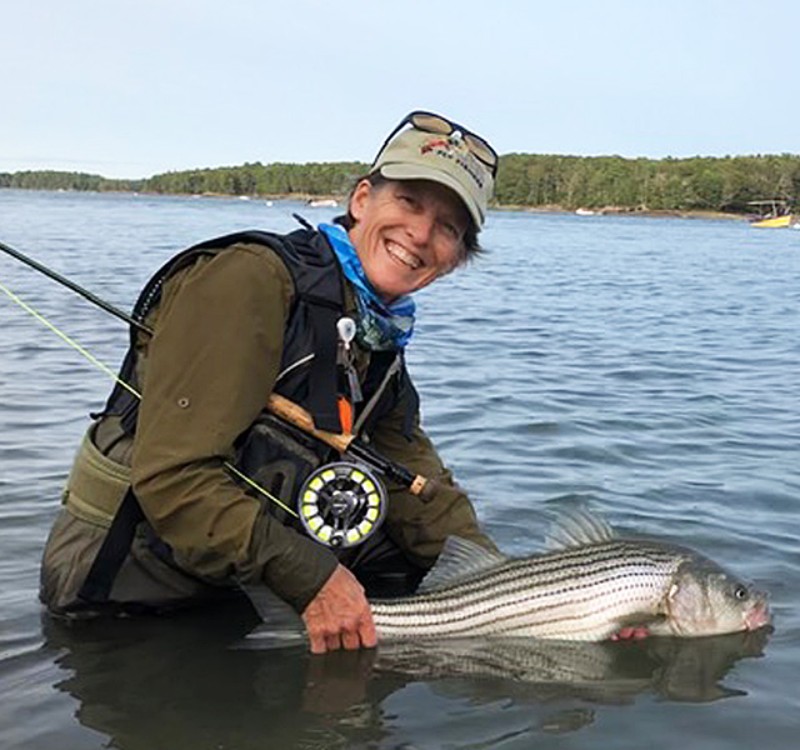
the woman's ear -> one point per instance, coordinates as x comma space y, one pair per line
359, 199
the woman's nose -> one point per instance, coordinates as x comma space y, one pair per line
420, 227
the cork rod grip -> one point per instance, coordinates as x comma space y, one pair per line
296, 415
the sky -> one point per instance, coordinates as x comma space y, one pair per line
135, 88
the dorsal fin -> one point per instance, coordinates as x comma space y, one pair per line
577, 526
460, 558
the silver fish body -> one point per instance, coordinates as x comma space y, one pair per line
587, 592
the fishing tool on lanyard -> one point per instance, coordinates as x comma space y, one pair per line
340, 504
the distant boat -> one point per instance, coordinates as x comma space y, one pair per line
773, 214
322, 203
585, 212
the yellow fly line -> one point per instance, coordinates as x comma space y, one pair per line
102, 366
64, 337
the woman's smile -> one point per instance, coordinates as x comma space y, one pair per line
403, 256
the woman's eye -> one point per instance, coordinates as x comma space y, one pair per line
408, 200
452, 230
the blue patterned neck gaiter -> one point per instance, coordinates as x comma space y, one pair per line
381, 326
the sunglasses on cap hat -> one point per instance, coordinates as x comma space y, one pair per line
429, 122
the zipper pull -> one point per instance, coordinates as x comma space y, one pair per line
346, 328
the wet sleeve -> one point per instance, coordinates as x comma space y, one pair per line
210, 366
420, 527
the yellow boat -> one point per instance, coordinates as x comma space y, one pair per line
775, 214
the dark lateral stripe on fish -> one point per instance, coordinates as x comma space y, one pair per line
512, 578
518, 619
507, 609
452, 599
570, 562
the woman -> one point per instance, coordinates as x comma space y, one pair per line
153, 519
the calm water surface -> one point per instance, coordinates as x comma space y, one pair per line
647, 366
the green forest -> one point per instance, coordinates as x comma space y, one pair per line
717, 184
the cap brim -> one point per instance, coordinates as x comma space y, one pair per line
406, 171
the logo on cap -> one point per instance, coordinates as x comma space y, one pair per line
453, 148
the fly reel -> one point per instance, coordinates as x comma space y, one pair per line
342, 504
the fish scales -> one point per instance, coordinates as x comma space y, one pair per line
546, 570
463, 606
572, 593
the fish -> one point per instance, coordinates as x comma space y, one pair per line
589, 587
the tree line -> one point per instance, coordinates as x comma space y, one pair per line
695, 184
724, 184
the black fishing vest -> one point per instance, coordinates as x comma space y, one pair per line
275, 455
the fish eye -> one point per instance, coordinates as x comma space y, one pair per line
740, 592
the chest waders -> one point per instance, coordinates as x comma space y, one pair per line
278, 457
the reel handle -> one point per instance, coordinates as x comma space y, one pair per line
296, 415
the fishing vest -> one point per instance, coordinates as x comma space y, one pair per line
272, 453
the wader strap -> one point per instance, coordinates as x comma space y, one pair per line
322, 379
96, 588
367, 409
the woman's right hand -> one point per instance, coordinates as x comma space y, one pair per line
339, 615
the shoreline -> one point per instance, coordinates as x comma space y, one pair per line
652, 213
308, 198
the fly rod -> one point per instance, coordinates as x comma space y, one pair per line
71, 285
280, 406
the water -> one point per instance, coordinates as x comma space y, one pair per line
648, 366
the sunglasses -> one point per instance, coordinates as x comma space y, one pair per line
428, 122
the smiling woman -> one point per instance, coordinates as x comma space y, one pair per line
407, 234
153, 521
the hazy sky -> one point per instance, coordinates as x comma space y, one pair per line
132, 88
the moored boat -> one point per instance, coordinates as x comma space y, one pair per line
773, 214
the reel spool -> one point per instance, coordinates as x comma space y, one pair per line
342, 504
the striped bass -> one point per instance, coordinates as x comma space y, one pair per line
589, 589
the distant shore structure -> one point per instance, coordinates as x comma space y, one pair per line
322, 203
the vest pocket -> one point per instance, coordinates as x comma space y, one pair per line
95, 486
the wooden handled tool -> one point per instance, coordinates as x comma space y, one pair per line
297, 416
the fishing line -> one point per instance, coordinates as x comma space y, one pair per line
108, 371
64, 337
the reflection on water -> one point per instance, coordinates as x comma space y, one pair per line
678, 669
185, 682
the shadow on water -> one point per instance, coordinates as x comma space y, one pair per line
187, 682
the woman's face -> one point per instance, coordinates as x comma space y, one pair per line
407, 233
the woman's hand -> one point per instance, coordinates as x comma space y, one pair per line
339, 615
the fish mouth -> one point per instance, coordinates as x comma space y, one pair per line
758, 616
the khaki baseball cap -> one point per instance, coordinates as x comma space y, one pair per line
444, 158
